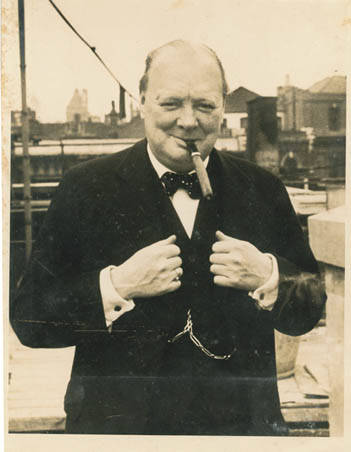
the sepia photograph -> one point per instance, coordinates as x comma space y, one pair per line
174, 177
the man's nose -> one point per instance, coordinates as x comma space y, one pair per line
187, 117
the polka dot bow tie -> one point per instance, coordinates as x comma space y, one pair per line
189, 182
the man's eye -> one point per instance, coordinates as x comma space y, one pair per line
206, 107
169, 105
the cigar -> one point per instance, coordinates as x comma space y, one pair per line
200, 169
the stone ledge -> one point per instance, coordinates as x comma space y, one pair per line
327, 236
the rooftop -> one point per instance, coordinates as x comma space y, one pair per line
335, 84
236, 101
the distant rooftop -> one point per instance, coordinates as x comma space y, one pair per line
236, 101
335, 84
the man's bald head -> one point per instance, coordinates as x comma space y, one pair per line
186, 48
182, 98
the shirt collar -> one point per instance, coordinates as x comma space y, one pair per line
162, 169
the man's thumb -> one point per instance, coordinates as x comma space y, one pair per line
220, 236
169, 240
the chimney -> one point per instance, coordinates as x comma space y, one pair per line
85, 98
122, 102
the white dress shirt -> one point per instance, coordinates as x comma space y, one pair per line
186, 208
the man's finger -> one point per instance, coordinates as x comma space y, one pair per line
174, 262
222, 247
219, 258
179, 272
218, 269
174, 285
176, 274
221, 281
171, 251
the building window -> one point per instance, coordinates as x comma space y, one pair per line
334, 117
279, 122
243, 123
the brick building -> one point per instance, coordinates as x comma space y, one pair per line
321, 107
314, 126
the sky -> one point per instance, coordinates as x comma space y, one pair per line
259, 42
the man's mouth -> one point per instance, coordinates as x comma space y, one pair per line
183, 141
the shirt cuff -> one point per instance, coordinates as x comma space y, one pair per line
114, 305
267, 294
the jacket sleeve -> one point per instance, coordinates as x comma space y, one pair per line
57, 303
301, 294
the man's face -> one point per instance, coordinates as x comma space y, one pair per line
183, 100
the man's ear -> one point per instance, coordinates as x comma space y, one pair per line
223, 108
142, 104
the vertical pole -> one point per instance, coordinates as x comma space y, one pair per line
294, 108
131, 108
62, 157
305, 183
25, 136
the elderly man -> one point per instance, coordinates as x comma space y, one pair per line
171, 299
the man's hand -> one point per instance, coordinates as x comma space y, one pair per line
239, 264
151, 271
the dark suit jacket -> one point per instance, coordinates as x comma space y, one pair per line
134, 380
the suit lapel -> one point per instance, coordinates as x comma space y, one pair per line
227, 210
144, 195
233, 198
242, 209
154, 211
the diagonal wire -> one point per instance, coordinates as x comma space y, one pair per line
92, 48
